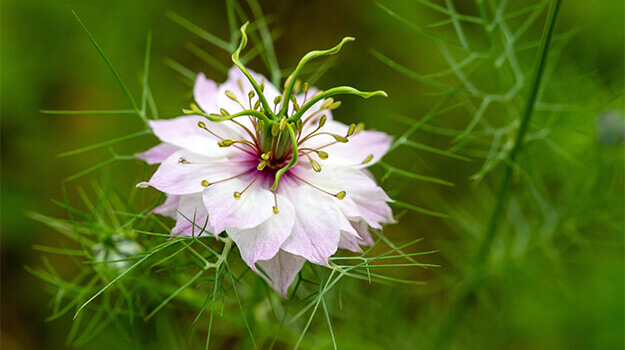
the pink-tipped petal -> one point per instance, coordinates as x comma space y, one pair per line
192, 218
316, 230
263, 241
169, 207
184, 132
240, 86
183, 172
252, 209
157, 154
205, 94
282, 269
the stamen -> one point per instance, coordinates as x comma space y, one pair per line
205, 183
276, 102
340, 195
224, 112
359, 127
368, 159
237, 195
233, 97
182, 160
316, 167
351, 130
275, 200
260, 125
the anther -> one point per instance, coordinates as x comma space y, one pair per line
261, 165
266, 155
359, 127
282, 124
183, 161
251, 94
231, 96
224, 112
262, 86
340, 138
299, 125
305, 87
275, 129
326, 103
322, 121
297, 86
316, 167
225, 143
368, 159
341, 195
205, 183
275, 210
276, 101
322, 154
237, 195
351, 130
334, 105
201, 125
257, 104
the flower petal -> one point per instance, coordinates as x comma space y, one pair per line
367, 143
169, 207
365, 200
282, 270
184, 132
192, 220
157, 154
205, 94
316, 231
253, 208
173, 177
263, 241
240, 86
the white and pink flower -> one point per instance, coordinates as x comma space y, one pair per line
286, 185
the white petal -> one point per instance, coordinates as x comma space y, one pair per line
353, 153
240, 86
192, 217
169, 207
205, 94
253, 208
173, 177
282, 270
184, 132
316, 230
158, 153
263, 241
365, 200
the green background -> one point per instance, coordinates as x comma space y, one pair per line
566, 291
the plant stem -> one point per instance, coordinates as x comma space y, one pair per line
474, 276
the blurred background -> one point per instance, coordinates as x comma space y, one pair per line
554, 275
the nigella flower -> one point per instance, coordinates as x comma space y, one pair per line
275, 171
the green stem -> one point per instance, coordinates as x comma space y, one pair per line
475, 275
539, 68
250, 112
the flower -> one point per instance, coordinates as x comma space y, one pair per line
286, 183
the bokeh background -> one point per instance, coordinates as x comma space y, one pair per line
555, 278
